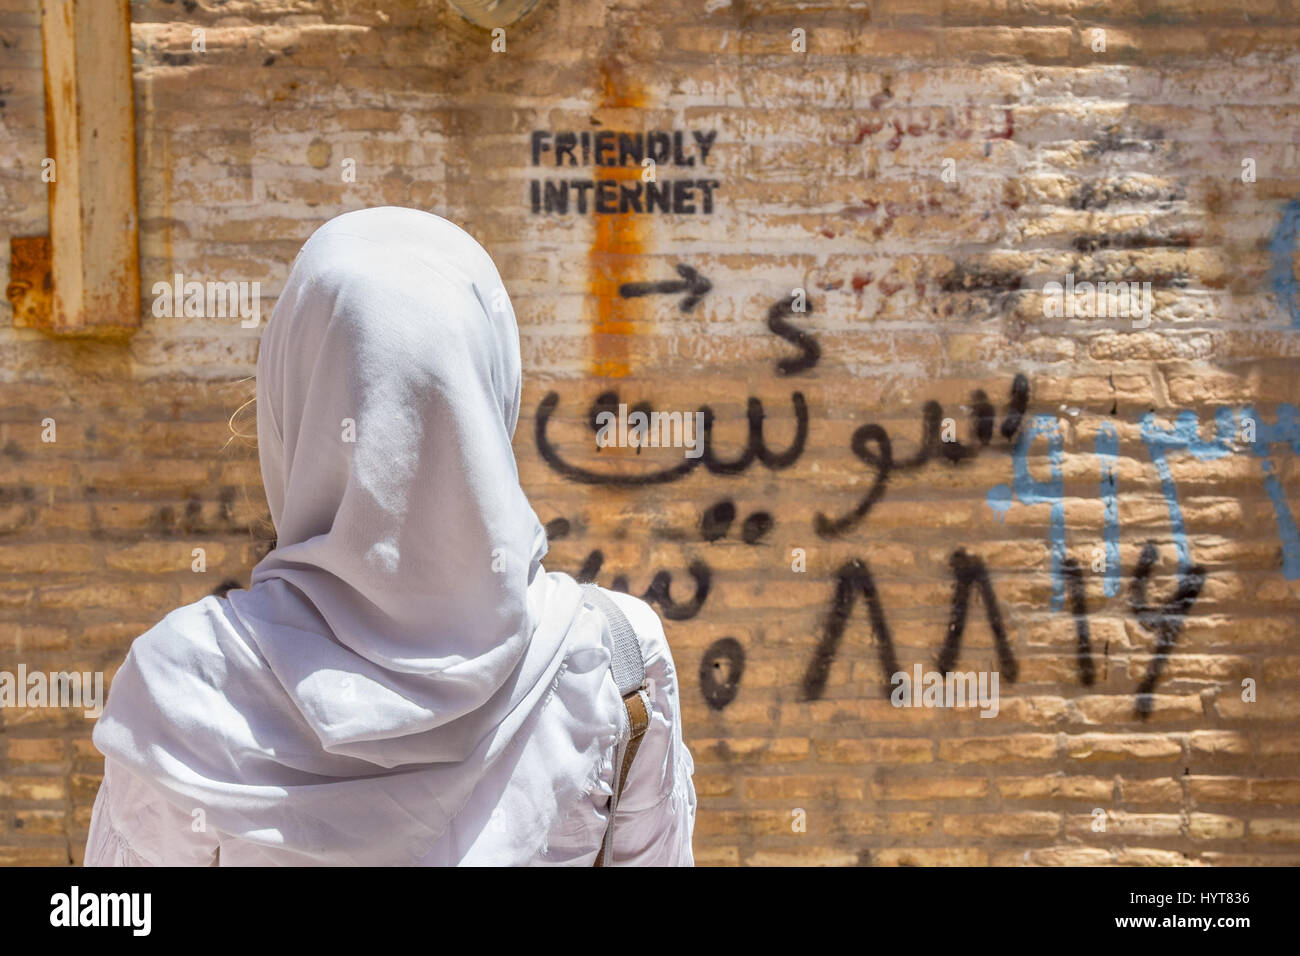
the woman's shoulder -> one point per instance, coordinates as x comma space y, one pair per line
189, 629
646, 623
643, 618
210, 610
169, 665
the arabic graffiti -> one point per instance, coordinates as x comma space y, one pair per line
881, 460
1021, 432
660, 590
721, 668
1166, 622
855, 578
1160, 442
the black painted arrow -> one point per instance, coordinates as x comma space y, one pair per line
691, 282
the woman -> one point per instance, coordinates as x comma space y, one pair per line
402, 682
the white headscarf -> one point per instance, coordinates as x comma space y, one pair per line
402, 630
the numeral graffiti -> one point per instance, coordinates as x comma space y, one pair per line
854, 579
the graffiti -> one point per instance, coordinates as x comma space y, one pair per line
1282, 254
660, 590
616, 149
756, 527
715, 524
717, 520
854, 579
691, 282
947, 125
969, 572
851, 580
881, 459
1286, 431
755, 448
1183, 436
871, 444
617, 193
1051, 492
1160, 442
804, 341
1106, 447
1079, 610
1016, 410
721, 668
1286, 527
1166, 623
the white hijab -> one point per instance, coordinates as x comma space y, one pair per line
402, 631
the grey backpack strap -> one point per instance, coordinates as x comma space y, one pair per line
625, 654
628, 668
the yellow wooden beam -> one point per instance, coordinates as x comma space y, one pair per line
90, 135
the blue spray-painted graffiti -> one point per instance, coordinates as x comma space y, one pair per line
1285, 430
1184, 436
1233, 432
1281, 273
1106, 446
1030, 491
1033, 492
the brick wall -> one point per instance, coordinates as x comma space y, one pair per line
981, 482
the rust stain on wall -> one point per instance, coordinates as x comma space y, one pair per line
31, 282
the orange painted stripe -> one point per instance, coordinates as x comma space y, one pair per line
616, 249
